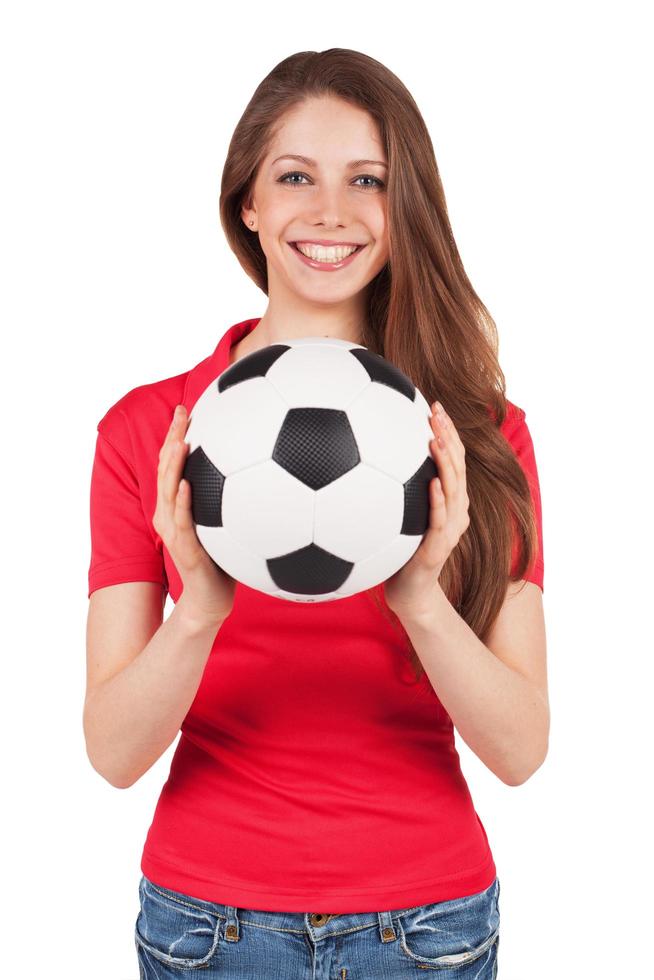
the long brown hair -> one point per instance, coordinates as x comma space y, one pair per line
424, 315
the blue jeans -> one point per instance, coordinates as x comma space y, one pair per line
176, 934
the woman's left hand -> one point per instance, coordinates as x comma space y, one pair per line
411, 590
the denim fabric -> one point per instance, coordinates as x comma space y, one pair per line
179, 936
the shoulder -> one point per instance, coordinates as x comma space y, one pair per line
514, 427
142, 415
515, 430
514, 415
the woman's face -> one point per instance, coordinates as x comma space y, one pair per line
326, 199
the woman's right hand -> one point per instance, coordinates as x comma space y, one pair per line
208, 593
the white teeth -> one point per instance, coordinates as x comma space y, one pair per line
324, 253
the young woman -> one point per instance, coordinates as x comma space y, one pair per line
315, 821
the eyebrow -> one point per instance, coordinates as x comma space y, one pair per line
312, 163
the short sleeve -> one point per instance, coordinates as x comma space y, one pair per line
123, 548
517, 433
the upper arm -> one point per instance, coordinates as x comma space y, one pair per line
517, 636
121, 621
124, 544
127, 582
516, 431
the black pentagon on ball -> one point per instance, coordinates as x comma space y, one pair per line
254, 365
309, 571
383, 372
207, 484
316, 445
416, 499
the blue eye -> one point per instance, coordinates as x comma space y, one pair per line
297, 173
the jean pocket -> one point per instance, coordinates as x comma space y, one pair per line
454, 933
173, 928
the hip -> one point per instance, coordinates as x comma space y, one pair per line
176, 933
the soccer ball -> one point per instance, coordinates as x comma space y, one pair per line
309, 464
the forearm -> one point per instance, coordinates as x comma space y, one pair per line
131, 719
499, 713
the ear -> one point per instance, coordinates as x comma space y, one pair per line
248, 214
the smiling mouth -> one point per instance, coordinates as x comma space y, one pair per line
326, 264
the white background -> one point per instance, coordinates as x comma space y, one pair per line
116, 119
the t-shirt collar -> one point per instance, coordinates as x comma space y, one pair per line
201, 376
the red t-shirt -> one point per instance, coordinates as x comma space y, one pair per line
311, 771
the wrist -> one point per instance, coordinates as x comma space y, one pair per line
427, 614
195, 620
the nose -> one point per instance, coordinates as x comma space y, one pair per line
331, 208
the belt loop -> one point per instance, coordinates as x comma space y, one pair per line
232, 932
386, 927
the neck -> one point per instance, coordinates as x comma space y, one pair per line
272, 328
